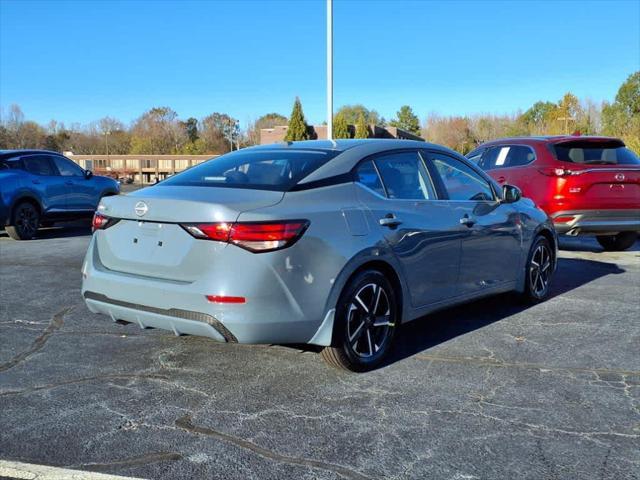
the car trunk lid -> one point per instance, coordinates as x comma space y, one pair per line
599, 173
149, 240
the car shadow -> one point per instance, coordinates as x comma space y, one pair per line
439, 327
587, 244
63, 230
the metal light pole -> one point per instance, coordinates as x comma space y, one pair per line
330, 69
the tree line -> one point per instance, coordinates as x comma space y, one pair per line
161, 131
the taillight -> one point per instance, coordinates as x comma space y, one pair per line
253, 236
558, 172
101, 222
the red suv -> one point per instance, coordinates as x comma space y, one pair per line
587, 185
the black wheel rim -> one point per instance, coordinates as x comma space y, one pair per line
370, 318
540, 271
27, 221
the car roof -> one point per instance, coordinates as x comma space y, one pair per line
340, 145
13, 153
551, 139
350, 152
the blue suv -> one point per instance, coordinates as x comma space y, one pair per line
39, 188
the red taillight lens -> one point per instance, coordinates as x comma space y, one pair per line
554, 172
252, 236
101, 222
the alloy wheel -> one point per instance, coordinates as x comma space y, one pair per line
27, 221
540, 270
370, 318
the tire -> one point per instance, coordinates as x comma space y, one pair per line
539, 271
360, 341
25, 221
618, 242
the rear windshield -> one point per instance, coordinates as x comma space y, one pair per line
278, 170
595, 154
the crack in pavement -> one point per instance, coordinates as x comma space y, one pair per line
56, 323
186, 423
494, 362
116, 376
132, 462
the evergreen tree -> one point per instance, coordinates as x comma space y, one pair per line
340, 127
297, 126
407, 120
362, 129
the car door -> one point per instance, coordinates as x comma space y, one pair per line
82, 193
45, 179
490, 230
420, 230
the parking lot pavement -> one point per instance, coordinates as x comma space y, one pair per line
487, 390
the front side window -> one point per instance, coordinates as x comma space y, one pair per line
405, 176
368, 176
460, 180
507, 156
67, 168
39, 165
278, 170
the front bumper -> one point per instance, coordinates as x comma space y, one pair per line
600, 222
272, 315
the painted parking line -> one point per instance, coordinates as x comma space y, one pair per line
20, 470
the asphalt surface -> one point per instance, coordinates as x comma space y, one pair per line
489, 390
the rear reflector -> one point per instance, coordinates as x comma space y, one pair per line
253, 236
564, 219
225, 299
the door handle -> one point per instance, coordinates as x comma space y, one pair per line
390, 220
501, 179
468, 221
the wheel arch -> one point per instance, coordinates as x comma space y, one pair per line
548, 233
25, 197
365, 261
385, 264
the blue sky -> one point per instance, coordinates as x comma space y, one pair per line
77, 61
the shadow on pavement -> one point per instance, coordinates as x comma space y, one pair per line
439, 327
587, 244
62, 230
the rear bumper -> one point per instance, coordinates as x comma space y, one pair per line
272, 316
601, 222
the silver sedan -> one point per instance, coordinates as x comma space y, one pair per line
328, 243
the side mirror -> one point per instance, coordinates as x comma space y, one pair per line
511, 193
88, 174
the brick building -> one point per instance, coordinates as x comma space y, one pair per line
142, 169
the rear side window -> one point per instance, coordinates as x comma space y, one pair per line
10, 164
278, 170
39, 165
460, 180
507, 156
405, 176
594, 154
368, 176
